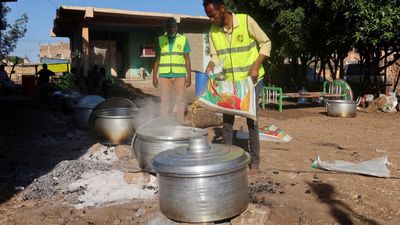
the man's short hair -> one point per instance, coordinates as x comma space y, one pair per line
214, 2
170, 22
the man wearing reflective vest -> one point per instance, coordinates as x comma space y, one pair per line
235, 39
173, 65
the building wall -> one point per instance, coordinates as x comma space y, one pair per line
60, 50
197, 49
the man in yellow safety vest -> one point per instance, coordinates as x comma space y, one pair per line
173, 65
242, 45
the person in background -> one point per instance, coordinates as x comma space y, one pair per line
242, 44
173, 65
93, 81
45, 87
105, 82
44, 75
5, 82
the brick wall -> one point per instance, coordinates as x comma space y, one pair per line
60, 50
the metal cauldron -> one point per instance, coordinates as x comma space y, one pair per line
83, 109
202, 182
157, 136
113, 126
341, 108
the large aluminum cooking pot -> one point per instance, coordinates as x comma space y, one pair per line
152, 138
202, 182
83, 109
113, 126
341, 108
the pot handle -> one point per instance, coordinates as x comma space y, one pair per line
132, 145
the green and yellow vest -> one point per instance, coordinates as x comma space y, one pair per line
240, 54
172, 61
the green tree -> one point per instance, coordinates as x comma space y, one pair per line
12, 33
377, 33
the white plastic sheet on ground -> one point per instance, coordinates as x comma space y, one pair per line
373, 167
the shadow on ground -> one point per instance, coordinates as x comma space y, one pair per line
342, 213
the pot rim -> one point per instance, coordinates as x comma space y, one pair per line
141, 133
98, 113
335, 101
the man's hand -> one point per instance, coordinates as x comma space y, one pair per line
188, 81
253, 73
210, 68
155, 81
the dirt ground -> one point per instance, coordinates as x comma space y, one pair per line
36, 138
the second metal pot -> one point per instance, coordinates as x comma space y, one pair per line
113, 126
84, 108
153, 138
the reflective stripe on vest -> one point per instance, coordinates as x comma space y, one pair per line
174, 61
240, 54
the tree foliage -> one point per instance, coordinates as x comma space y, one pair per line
12, 33
326, 30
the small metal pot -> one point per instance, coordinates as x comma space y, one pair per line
113, 126
153, 138
341, 108
67, 99
202, 182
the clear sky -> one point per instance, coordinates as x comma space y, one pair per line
41, 14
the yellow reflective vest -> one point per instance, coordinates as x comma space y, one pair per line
240, 54
172, 61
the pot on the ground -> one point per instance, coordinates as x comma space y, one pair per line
202, 182
160, 135
341, 108
67, 99
113, 126
83, 109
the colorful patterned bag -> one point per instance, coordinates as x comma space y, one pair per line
230, 97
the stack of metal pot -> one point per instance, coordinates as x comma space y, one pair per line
158, 135
202, 182
113, 121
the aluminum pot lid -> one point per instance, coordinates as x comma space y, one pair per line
161, 131
200, 159
115, 102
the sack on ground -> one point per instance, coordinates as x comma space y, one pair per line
230, 97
